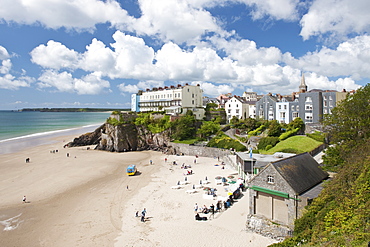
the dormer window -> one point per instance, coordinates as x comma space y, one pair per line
270, 179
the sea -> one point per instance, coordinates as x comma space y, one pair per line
25, 128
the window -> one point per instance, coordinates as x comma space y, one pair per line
295, 115
229, 105
308, 99
228, 111
237, 110
284, 107
279, 107
270, 179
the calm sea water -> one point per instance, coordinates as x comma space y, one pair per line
15, 125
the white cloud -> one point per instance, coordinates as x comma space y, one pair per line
5, 67
3, 53
174, 20
215, 90
337, 17
246, 52
277, 9
314, 80
142, 85
54, 55
64, 82
350, 58
133, 57
79, 15
8, 81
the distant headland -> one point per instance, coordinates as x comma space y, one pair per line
72, 109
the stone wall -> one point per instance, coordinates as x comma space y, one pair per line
192, 150
266, 228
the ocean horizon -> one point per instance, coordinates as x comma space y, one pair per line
20, 130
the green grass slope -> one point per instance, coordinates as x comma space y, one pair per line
294, 144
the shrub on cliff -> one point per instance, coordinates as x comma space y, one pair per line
224, 141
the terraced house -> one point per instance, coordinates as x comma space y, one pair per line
173, 100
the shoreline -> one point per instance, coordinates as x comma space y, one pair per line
83, 200
17, 144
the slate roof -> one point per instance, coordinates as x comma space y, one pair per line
301, 172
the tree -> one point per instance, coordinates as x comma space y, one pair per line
348, 126
296, 123
184, 127
207, 129
274, 128
234, 121
350, 120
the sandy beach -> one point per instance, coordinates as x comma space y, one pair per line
87, 199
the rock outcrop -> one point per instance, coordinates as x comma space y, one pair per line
92, 138
124, 137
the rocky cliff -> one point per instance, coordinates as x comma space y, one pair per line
122, 138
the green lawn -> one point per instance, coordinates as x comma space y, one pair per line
299, 144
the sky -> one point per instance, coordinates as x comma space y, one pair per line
92, 53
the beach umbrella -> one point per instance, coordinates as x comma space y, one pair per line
224, 180
232, 182
230, 177
218, 177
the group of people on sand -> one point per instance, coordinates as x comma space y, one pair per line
143, 213
212, 209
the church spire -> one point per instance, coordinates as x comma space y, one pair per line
303, 86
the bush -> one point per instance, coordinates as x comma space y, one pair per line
264, 142
287, 134
318, 136
223, 141
268, 147
257, 131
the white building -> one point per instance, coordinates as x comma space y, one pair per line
173, 100
236, 106
282, 111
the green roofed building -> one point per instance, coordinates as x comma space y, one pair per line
280, 191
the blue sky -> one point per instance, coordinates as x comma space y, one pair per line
91, 53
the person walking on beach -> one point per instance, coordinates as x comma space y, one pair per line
196, 207
212, 207
24, 199
143, 215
